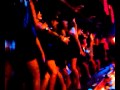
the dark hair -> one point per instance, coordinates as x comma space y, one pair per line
88, 41
81, 38
54, 18
71, 24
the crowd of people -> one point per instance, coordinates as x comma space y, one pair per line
47, 51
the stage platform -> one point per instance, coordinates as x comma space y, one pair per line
104, 79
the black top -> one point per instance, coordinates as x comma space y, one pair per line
81, 37
73, 46
47, 40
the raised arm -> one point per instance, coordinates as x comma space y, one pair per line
74, 21
40, 48
75, 35
67, 4
75, 9
34, 15
91, 45
43, 26
32, 7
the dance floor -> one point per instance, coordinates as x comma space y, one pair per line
103, 80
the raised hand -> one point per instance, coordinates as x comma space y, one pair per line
66, 40
74, 20
45, 24
92, 36
82, 53
78, 8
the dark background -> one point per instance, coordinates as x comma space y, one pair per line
100, 24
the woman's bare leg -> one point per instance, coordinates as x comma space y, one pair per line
52, 66
76, 73
8, 72
45, 81
98, 64
67, 77
87, 69
61, 80
34, 68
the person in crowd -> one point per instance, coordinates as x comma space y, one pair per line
24, 42
74, 49
56, 47
84, 60
104, 48
63, 53
96, 52
92, 61
102, 51
64, 48
48, 37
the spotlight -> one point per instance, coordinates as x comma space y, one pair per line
113, 39
102, 88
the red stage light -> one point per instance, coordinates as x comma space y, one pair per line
111, 14
106, 8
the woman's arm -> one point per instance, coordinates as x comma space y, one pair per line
42, 26
91, 46
33, 11
75, 9
74, 21
63, 32
74, 34
40, 48
67, 4
38, 25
